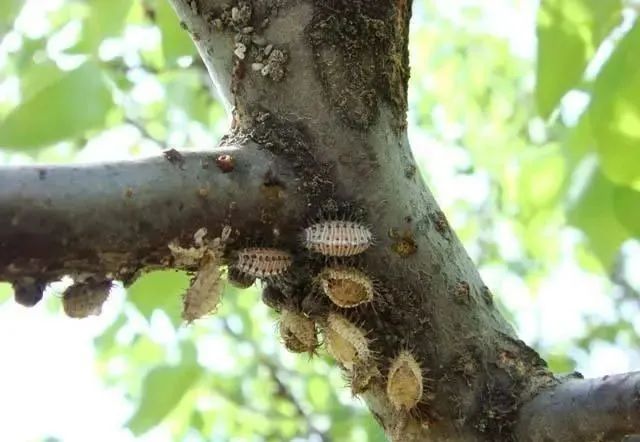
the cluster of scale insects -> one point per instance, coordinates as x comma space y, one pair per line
346, 287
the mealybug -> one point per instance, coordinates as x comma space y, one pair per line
85, 298
346, 287
298, 332
345, 341
205, 292
337, 238
404, 382
263, 262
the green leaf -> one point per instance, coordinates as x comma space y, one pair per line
162, 390
176, 41
560, 363
8, 12
66, 108
569, 32
615, 112
319, 393
6, 291
626, 204
162, 290
542, 176
593, 213
106, 19
107, 339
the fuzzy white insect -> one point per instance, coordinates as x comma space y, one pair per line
262, 262
338, 238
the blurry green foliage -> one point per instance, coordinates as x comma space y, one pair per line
548, 163
569, 32
58, 110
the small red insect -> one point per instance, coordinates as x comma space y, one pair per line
338, 238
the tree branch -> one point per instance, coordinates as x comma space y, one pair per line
117, 218
602, 409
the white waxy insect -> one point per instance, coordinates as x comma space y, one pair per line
205, 292
404, 382
263, 262
338, 238
346, 342
346, 287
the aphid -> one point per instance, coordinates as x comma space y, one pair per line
298, 332
404, 382
205, 292
346, 342
85, 298
337, 238
346, 287
263, 262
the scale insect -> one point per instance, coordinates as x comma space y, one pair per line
404, 382
337, 238
262, 262
345, 341
298, 332
346, 287
86, 298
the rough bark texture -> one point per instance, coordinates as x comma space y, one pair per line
321, 88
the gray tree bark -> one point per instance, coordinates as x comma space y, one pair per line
318, 94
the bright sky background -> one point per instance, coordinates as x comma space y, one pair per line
49, 385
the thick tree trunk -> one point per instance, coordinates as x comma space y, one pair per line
322, 119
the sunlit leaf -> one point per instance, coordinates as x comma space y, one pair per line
162, 289
8, 12
560, 363
176, 42
542, 176
569, 32
78, 101
6, 291
594, 214
626, 203
106, 18
615, 112
318, 391
162, 390
107, 338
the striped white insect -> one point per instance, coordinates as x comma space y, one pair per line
338, 238
261, 262
346, 287
404, 382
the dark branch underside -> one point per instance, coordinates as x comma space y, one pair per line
117, 218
